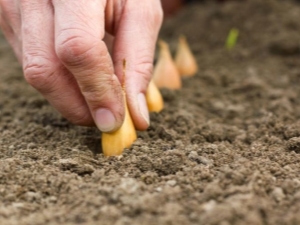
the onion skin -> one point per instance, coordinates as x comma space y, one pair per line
113, 143
185, 60
165, 73
154, 99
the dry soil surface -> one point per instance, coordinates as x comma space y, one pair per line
225, 150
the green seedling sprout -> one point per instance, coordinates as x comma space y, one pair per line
232, 38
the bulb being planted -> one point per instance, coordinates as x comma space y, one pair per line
155, 101
184, 59
114, 143
165, 73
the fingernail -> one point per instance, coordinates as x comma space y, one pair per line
105, 120
143, 107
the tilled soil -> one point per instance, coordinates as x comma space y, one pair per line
225, 150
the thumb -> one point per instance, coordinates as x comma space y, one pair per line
135, 39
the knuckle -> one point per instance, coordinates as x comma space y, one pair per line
158, 16
37, 73
104, 92
155, 15
75, 49
143, 71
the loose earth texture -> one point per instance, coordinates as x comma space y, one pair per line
225, 150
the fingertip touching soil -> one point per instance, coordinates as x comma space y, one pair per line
225, 150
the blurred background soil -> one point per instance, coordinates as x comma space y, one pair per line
225, 150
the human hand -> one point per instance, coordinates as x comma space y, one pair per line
60, 46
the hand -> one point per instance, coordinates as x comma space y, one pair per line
60, 46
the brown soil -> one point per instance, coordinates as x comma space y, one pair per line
226, 150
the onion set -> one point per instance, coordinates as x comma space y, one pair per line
165, 73
184, 59
114, 143
154, 99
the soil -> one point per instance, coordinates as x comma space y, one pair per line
225, 150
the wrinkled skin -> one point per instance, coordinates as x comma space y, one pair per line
61, 46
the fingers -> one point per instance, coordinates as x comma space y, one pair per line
79, 30
42, 68
136, 34
10, 23
73, 68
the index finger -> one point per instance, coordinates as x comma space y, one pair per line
79, 30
